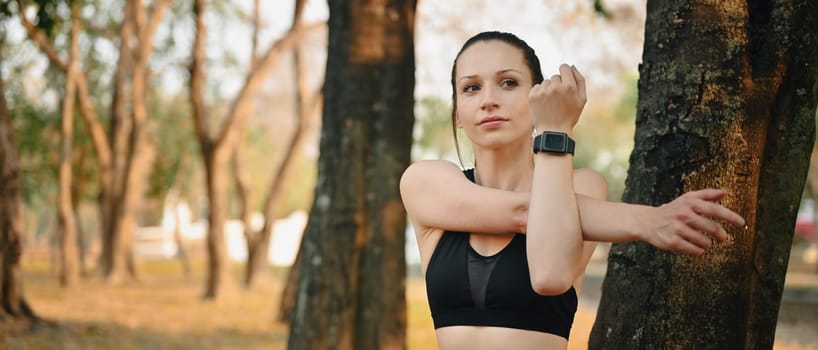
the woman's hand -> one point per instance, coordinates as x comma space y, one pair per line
687, 223
556, 103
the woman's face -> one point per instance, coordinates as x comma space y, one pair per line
492, 83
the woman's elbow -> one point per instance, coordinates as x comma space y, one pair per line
551, 284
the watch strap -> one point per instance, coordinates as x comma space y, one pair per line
554, 142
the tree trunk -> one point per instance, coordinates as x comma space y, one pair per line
14, 310
351, 287
216, 149
306, 110
727, 98
218, 265
69, 272
120, 127
140, 154
243, 190
122, 161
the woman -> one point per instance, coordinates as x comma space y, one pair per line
504, 247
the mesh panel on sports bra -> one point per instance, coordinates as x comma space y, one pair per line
480, 268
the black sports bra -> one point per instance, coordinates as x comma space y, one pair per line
467, 289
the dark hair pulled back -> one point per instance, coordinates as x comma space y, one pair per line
529, 56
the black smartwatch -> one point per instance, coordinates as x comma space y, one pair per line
553, 142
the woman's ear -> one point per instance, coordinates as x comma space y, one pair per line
457, 120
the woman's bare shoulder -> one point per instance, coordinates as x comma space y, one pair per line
421, 172
433, 165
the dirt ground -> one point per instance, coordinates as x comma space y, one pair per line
164, 311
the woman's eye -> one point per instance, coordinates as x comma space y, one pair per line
508, 83
471, 88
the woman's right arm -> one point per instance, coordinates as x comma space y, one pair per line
685, 224
436, 194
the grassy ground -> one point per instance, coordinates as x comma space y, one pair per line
164, 311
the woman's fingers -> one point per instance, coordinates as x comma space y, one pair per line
698, 223
567, 76
680, 243
708, 194
693, 223
556, 105
580, 81
703, 204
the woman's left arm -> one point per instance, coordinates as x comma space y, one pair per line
591, 184
554, 241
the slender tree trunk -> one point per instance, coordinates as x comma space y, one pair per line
78, 187
121, 162
343, 301
139, 155
94, 128
306, 110
120, 127
218, 265
243, 190
215, 150
727, 98
242, 187
14, 310
69, 272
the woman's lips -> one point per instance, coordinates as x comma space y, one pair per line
492, 122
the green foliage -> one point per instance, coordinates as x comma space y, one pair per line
37, 134
176, 146
433, 130
299, 193
50, 14
5, 10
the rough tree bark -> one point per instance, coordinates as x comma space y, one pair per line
727, 98
216, 150
351, 288
15, 312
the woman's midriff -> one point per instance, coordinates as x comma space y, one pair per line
474, 337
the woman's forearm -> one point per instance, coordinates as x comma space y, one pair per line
605, 221
554, 240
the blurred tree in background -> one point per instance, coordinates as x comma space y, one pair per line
122, 152
14, 310
136, 141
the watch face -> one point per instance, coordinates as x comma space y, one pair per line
554, 142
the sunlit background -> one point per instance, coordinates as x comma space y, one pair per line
606, 50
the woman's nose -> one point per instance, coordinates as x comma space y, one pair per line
488, 101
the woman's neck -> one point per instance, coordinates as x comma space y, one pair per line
508, 168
